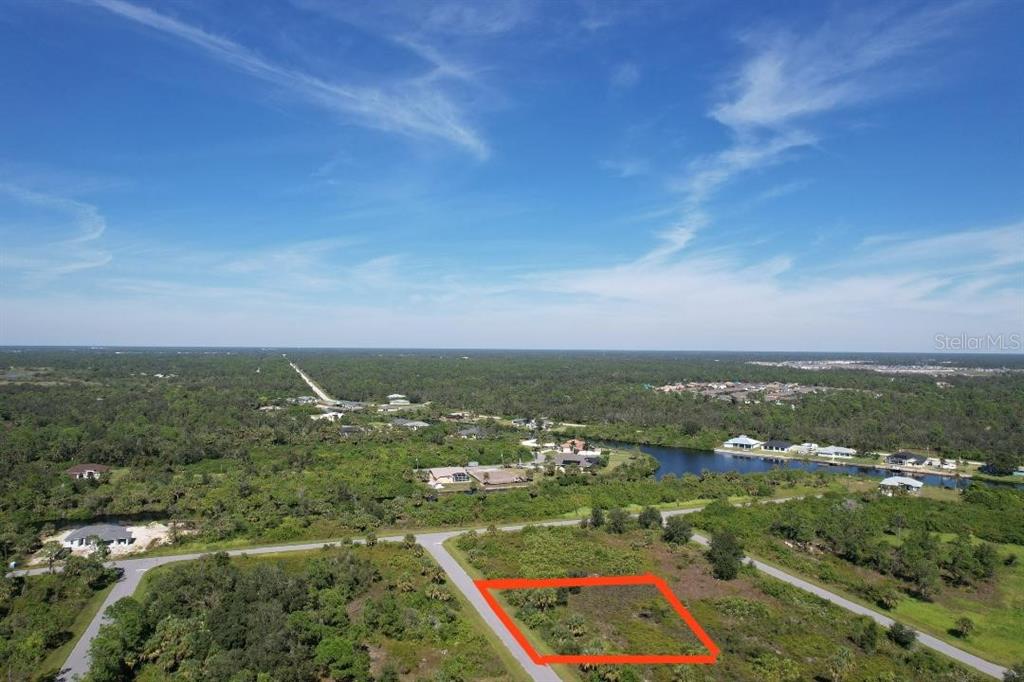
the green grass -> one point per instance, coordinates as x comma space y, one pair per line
55, 659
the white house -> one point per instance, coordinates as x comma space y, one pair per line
329, 416
397, 399
837, 451
743, 442
807, 448
896, 484
88, 471
105, 533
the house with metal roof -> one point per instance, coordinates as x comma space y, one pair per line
105, 533
774, 445
743, 442
837, 451
900, 484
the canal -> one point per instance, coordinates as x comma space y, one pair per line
681, 461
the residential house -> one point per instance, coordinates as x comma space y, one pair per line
895, 485
743, 442
88, 471
489, 476
807, 448
441, 476
397, 399
105, 533
329, 416
471, 433
583, 458
905, 459
350, 430
575, 445
777, 445
411, 424
837, 452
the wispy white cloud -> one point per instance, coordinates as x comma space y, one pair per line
41, 252
413, 107
627, 168
782, 190
790, 78
624, 76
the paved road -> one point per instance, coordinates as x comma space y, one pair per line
320, 393
433, 543
134, 569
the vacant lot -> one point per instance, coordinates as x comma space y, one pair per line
766, 630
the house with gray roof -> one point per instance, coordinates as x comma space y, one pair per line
106, 533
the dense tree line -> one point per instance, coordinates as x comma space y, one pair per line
36, 614
972, 417
310, 618
855, 529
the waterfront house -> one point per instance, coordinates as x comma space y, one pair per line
837, 451
905, 459
777, 445
104, 533
807, 448
895, 485
742, 442
583, 458
87, 471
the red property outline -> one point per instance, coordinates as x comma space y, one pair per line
648, 579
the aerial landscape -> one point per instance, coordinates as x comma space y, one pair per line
520, 340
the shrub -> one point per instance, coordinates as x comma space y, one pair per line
678, 530
964, 627
649, 518
617, 521
902, 635
725, 555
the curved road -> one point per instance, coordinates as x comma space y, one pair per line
78, 662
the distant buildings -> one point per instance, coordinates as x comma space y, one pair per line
397, 399
777, 445
895, 485
87, 471
439, 477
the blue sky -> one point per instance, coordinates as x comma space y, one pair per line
684, 175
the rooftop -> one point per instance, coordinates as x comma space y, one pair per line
107, 532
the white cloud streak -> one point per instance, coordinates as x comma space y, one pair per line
789, 79
411, 107
40, 258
